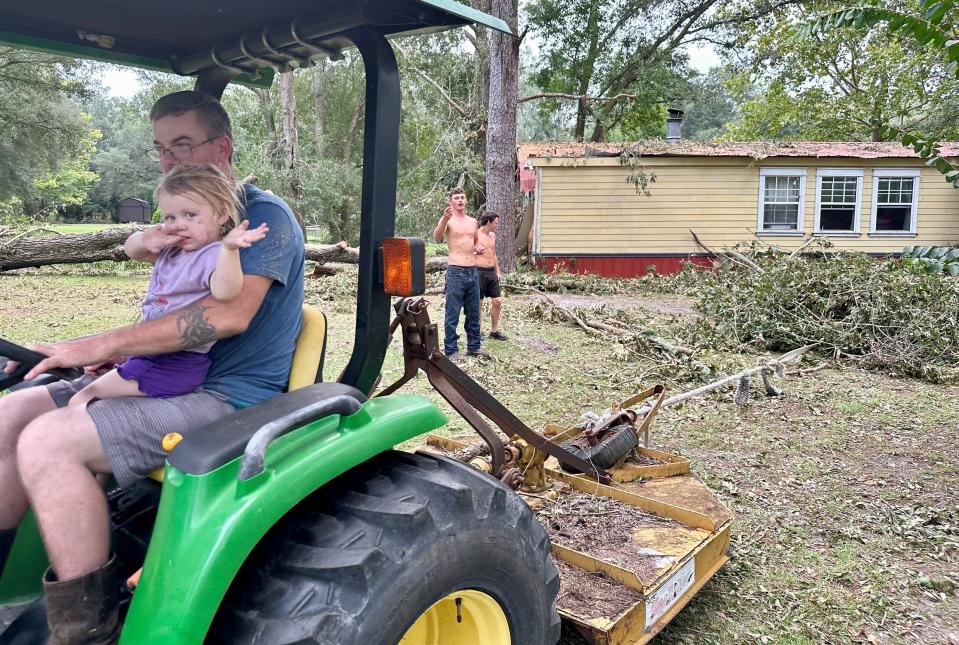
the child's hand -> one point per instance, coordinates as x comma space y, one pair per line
156, 238
102, 367
241, 237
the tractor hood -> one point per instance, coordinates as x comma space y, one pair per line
191, 36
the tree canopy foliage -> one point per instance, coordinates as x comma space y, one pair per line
930, 24
588, 69
46, 134
841, 83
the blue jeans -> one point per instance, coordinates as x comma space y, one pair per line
462, 292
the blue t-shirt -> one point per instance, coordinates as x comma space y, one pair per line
254, 366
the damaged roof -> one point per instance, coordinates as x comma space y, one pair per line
753, 149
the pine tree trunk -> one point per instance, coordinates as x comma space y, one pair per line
479, 96
266, 110
291, 144
319, 108
501, 132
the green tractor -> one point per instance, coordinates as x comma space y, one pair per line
295, 521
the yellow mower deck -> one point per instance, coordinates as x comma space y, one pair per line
685, 553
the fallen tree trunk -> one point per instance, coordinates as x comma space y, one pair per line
327, 252
342, 264
23, 251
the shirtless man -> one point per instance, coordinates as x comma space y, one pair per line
489, 273
462, 281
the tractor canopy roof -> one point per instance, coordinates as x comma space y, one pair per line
192, 36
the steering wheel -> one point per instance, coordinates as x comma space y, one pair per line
28, 359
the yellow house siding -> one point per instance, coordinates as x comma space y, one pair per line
586, 205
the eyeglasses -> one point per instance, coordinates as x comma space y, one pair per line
180, 151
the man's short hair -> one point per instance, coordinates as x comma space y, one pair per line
214, 118
457, 191
487, 217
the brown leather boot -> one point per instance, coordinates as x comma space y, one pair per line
6, 543
84, 610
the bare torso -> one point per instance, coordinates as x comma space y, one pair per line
486, 240
461, 240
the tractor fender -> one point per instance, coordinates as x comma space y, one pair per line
207, 524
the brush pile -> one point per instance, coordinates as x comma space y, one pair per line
880, 313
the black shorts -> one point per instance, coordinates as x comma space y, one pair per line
489, 283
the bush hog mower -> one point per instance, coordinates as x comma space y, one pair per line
295, 521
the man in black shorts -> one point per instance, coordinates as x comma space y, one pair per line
489, 273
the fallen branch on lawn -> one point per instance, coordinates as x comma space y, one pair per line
741, 379
736, 256
809, 370
562, 311
808, 241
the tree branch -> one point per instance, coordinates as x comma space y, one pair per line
439, 88
574, 97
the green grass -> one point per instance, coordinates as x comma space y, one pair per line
844, 488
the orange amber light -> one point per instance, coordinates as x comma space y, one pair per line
404, 266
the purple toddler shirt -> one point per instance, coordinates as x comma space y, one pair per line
179, 279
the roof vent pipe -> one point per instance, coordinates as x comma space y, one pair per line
674, 125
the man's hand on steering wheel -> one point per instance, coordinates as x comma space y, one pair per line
69, 353
25, 364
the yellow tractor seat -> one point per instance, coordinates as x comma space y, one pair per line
307, 367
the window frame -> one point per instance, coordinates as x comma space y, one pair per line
776, 171
858, 173
880, 173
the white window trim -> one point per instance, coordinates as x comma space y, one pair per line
839, 172
800, 217
878, 173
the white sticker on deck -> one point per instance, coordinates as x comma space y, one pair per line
666, 596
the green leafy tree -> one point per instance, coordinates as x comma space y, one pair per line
622, 61
931, 24
843, 83
121, 161
43, 126
71, 182
710, 105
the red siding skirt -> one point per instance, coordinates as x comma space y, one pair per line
621, 266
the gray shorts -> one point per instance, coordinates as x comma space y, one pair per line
132, 428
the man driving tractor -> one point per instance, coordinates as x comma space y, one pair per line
51, 453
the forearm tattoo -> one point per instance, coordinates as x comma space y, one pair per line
194, 328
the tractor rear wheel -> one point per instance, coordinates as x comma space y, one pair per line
406, 548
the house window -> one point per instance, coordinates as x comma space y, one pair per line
895, 197
781, 193
838, 197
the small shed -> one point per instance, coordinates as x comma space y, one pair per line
135, 210
868, 197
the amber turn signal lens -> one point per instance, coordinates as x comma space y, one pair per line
404, 266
